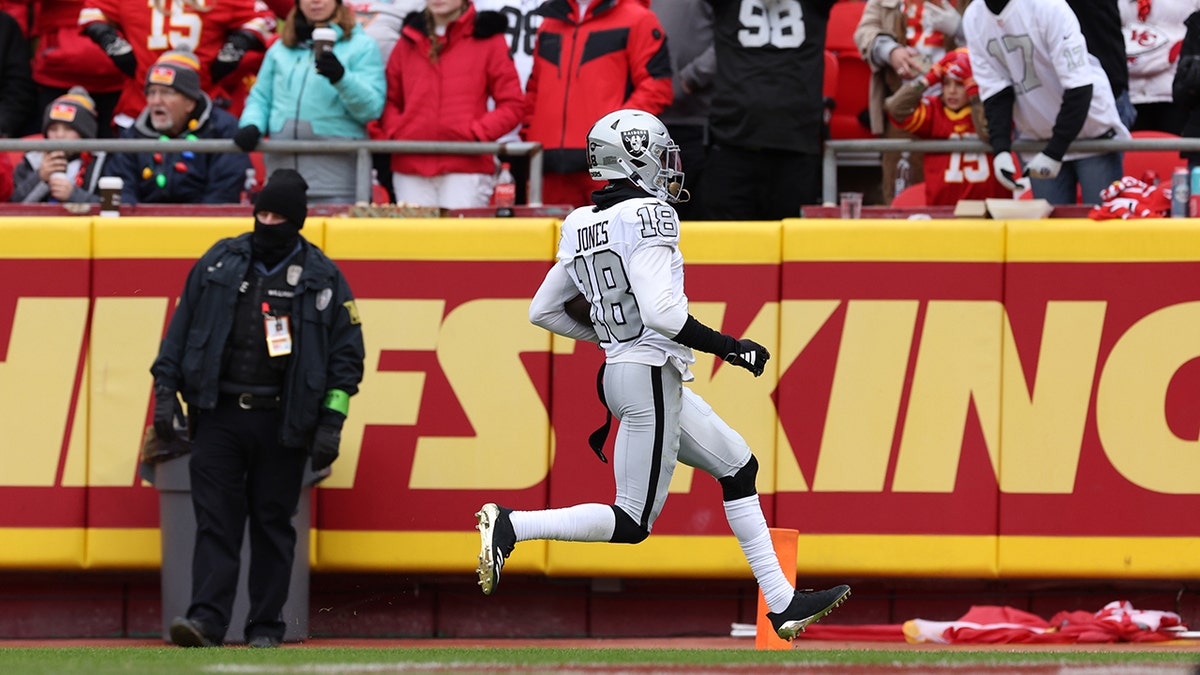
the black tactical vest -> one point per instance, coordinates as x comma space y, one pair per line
246, 360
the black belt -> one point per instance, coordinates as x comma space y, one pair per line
247, 401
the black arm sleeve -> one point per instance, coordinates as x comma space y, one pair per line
998, 110
1071, 116
702, 338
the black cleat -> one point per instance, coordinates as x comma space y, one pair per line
807, 607
497, 541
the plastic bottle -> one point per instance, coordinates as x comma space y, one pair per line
1179, 193
250, 187
505, 193
1194, 196
903, 169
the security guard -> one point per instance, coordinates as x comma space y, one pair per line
266, 348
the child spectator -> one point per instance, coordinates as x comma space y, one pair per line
899, 40
56, 175
448, 62
957, 113
302, 96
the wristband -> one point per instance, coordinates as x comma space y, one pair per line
336, 399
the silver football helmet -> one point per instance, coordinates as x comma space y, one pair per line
634, 144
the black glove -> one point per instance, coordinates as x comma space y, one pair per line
325, 446
236, 45
329, 66
165, 404
749, 355
116, 47
247, 137
326, 439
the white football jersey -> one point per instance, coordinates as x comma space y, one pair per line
626, 261
1037, 48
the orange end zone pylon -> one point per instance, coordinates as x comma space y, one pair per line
784, 541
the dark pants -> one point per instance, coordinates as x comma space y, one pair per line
759, 184
238, 471
693, 152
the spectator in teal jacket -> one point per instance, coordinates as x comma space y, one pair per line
330, 97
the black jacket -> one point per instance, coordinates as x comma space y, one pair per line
206, 177
1186, 87
327, 346
17, 93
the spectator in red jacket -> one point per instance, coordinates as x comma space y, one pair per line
135, 33
447, 63
611, 55
64, 58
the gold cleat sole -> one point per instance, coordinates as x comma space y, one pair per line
791, 629
487, 563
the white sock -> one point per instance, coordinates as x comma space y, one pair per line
746, 519
582, 522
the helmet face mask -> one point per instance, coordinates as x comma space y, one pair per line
635, 146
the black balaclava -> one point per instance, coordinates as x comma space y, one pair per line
996, 6
285, 193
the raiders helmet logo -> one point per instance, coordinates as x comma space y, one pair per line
635, 141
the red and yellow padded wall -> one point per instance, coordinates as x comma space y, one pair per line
966, 398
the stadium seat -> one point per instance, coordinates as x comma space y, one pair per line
851, 95
829, 83
913, 195
843, 20
18, 156
851, 99
829, 86
1162, 162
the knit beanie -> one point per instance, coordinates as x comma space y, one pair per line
75, 109
179, 70
285, 193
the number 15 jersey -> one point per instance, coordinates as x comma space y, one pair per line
625, 260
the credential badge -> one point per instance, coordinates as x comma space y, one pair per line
635, 141
323, 298
293, 274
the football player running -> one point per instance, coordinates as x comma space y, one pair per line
619, 282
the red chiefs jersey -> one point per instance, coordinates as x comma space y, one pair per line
157, 26
952, 176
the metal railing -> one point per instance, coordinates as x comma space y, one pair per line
829, 189
362, 150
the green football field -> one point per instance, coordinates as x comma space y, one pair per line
173, 661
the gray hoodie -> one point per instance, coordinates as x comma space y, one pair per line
688, 24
